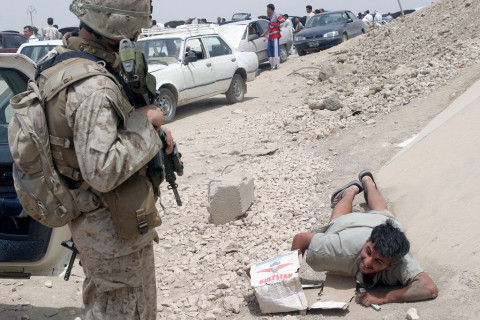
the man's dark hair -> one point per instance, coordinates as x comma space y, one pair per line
286, 16
154, 22
390, 241
317, 11
309, 7
30, 28
271, 6
367, 11
50, 21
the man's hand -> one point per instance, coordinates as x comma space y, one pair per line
302, 241
368, 298
169, 146
421, 288
153, 114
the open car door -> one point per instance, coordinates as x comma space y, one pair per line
27, 248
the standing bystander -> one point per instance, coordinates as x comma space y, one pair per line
273, 47
50, 32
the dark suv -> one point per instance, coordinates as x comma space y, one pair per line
10, 41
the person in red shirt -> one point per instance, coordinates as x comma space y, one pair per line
273, 47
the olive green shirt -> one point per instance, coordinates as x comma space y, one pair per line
338, 249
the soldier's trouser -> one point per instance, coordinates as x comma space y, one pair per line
120, 288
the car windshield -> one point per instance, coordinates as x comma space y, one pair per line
36, 52
161, 51
11, 83
240, 16
325, 19
11, 40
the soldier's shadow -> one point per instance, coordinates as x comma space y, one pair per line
28, 311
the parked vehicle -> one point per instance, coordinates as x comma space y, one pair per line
244, 36
27, 248
38, 49
10, 41
195, 63
241, 16
328, 29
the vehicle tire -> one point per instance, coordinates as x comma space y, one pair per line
165, 99
301, 53
344, 37
283, 53
236, 92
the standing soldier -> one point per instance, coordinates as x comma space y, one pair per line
273, 46
50, 32
113, 140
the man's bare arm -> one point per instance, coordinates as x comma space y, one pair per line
302, 241
421, 288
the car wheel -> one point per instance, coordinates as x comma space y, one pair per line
236, 92
344, 37
301, 53
283, 53
166, 101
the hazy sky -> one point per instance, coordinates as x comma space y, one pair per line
14, 16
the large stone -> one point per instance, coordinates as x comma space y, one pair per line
230, 196
332, 104
232, 304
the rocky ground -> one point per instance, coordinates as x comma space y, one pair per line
303, 131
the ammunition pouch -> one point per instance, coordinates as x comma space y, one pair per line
132, 205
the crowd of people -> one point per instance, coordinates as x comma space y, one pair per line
50, 32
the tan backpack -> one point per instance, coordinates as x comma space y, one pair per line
41, 189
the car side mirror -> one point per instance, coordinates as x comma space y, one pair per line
190, 57
253, 37
349, 20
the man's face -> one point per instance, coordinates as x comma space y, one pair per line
27, 33
371, 261
269, 12
309, 10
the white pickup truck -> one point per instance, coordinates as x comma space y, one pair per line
192, 64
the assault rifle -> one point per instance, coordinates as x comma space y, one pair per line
171, 163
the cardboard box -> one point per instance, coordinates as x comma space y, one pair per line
278, 288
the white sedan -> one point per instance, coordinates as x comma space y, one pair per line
190, 66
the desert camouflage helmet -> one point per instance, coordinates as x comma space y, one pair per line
115, 19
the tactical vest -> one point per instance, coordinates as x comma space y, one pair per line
132, 204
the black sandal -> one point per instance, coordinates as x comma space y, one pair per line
340, 191
360, 177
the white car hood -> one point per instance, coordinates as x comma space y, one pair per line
19, 62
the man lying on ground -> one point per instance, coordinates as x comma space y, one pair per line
370, 246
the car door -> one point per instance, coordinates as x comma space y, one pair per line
198, 74
256, 43
223, 60
262, 42
356, 24
27, 248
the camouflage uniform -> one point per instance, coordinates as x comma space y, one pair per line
120, 274
50, 33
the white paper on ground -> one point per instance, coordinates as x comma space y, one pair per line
328, 305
